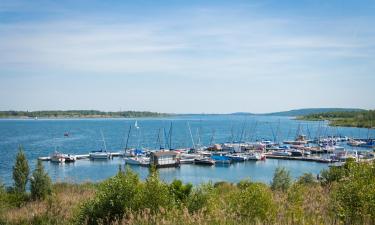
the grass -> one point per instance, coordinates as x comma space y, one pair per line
329, 201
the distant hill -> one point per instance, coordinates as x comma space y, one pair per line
363, 118
307, 111
79, 114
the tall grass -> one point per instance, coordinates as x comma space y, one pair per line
345, 196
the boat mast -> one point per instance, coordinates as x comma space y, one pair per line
105, 146
127, 139
191, 135
170, 136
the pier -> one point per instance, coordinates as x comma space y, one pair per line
83, 156
301, 158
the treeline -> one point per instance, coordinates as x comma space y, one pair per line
79, 114
340, 195
365, 119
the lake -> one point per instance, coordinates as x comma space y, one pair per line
41, 137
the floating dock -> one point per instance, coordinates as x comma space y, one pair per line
300, 158
84, 156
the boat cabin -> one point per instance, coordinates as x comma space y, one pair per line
164, 159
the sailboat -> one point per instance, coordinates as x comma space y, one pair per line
100, 154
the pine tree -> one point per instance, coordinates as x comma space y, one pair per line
41, 184
20, 171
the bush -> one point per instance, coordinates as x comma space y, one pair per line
20, 171
114, 197
307, 179
155, 194
40, 183
253, 203
180, 191
295, 198
281, 179
353, 199
200, 198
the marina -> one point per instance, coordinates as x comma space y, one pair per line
214, 144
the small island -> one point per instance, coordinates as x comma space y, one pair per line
362, 119
79, 114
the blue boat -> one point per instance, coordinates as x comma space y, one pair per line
370, 143
221, 159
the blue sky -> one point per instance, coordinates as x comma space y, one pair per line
186, 56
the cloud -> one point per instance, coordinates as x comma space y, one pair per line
207, 44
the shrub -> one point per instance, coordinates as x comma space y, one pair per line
20, 171
307, 179
113, 198
295, 198
180, 191
155, 193
40, 183
200, 198
353, 199
281, 179
253, 203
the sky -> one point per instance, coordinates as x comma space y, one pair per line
187, 56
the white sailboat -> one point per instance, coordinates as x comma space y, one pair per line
100, 154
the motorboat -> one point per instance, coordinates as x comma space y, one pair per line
57, 157
221, 159
238, 157
204, 161
138, 160
255, 156
281, 153
99, 155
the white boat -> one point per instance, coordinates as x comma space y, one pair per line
70, 158
57, 157
281, 153
239, 157
255, 156
99, 155
142, 160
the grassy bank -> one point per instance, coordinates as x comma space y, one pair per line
343, 196
364, 119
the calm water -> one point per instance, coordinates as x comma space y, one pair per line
41, 137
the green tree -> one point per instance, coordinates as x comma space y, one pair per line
41, 185
180, 191
281, 179
253, 204
306, 179
156, 193
114, 197
20, 171
294, 206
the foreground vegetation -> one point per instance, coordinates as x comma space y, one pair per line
364, 119
78, 114
344, 195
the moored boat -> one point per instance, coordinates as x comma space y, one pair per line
204, 161
281, 153
141, 160
57, 157
99, 155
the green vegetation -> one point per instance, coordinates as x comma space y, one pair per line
20, 171
308, 111
348, 119
40, 183
78, 114
344, 195
281, 180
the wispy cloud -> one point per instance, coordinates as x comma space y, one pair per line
207, 45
